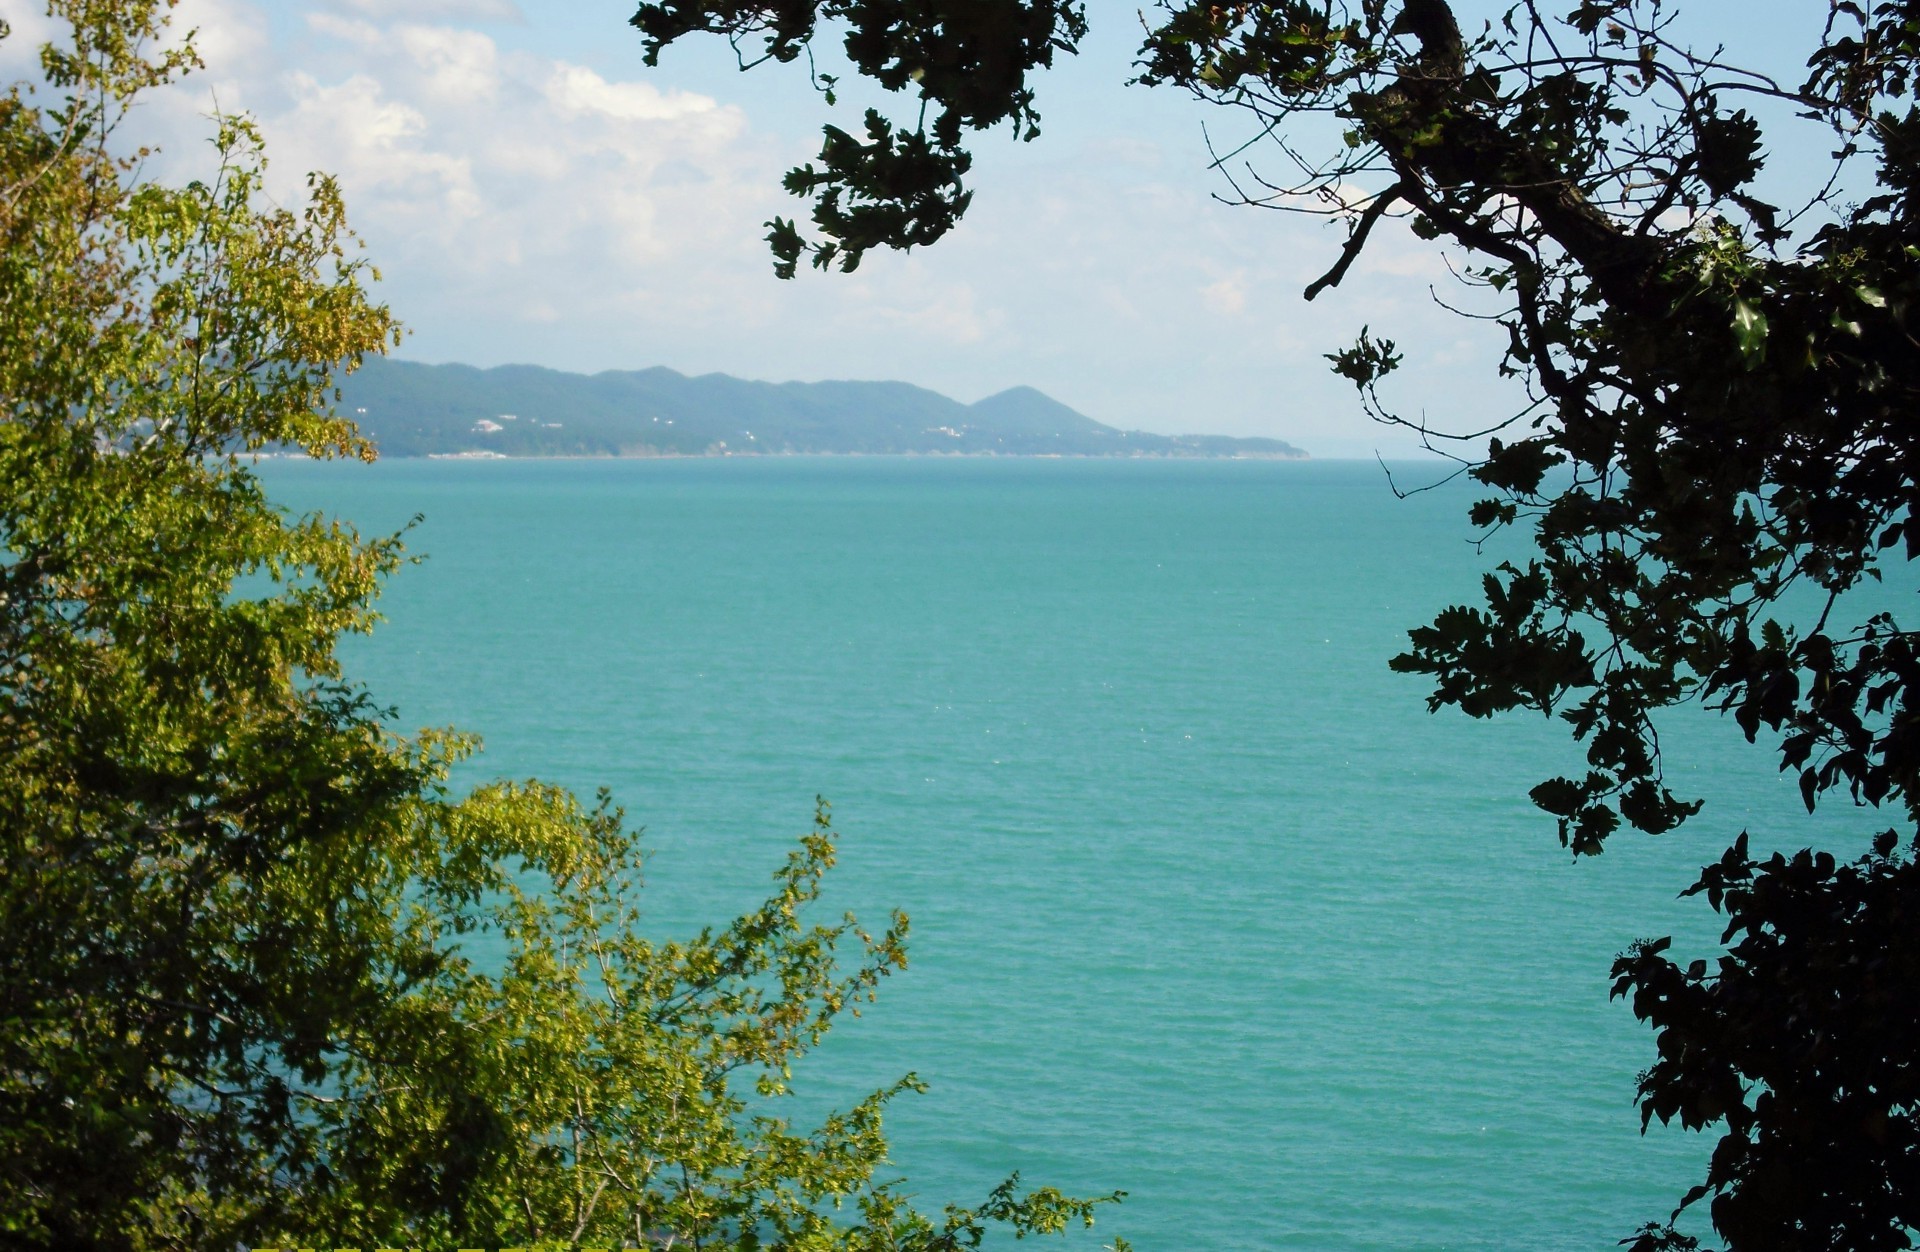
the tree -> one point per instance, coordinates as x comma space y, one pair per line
237, 997
1718, 423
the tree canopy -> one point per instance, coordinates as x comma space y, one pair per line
1716, 423
239, 1001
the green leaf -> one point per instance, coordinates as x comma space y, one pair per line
1561, 797
1518, 467
1749, 332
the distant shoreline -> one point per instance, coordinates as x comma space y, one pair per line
766, 456
410, 409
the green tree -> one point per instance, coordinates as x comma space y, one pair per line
236, 1000
1718, 423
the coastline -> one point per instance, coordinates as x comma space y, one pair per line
655, 455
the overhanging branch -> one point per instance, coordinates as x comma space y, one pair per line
1358, 239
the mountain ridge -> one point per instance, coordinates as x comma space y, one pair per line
409, 408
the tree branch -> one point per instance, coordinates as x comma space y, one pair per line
1357, 239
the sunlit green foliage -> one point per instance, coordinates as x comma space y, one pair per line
237, 1001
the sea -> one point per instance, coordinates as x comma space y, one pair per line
1206, 905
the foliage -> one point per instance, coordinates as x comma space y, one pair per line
239, 1000
1717, 425
1799, 1038
970, 59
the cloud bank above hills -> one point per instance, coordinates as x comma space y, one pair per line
530, 191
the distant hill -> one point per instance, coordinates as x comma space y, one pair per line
410, 409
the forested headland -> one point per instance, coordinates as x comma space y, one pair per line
410, 409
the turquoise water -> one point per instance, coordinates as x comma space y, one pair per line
1206, 907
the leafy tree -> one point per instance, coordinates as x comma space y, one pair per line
1717, 425
237, 1001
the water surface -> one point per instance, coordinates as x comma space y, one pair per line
1205, 905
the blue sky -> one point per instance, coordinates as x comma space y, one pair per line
533, 193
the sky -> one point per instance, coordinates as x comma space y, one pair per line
533, 193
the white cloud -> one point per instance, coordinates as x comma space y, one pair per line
575, 91
1228, 296
534, 196
492, 178
450, 10
228, 34
381, 148
460, 66
30, 27
535, 208
351, 29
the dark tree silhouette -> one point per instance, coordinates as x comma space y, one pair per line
1719, 410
